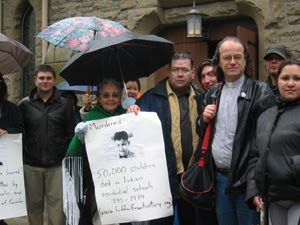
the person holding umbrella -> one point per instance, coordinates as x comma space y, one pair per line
10, 117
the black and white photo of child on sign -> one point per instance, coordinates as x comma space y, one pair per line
121, 139
121, 144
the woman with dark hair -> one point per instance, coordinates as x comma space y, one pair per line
130, 93
10, 114
109, 95
132, 88
10, 117
274, 169
206, 74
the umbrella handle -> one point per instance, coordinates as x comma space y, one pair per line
88, 90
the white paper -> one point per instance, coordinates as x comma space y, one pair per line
12, 191
134, 188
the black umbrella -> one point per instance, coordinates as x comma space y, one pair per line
124, 57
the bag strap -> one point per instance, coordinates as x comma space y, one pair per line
205, 143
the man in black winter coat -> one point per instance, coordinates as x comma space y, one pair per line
49, 126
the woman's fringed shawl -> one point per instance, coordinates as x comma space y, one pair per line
72, 188
73, 169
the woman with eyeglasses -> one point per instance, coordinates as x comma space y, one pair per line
109, 94
131, 91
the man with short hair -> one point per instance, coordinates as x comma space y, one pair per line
121, 140
49, 125
233, 106
275, 55
177, 103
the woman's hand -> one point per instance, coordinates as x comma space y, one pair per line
134, 108
2, 132
257, 202
80, 130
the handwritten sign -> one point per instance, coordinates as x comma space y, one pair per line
12, 191
128, 165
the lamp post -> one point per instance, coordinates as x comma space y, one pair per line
194, 23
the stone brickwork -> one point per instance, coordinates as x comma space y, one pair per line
278, 21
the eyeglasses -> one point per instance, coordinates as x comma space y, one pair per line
228, 58
182, 70
112, 95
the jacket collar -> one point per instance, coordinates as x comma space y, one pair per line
246, 91
283, 104
33, 96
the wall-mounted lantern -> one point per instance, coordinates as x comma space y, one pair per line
194, 23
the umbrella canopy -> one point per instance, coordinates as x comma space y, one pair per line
14, 56
124, 57
75, 33
64, 86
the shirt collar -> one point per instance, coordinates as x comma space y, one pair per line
236, 83
172, 91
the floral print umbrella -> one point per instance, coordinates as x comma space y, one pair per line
75, 33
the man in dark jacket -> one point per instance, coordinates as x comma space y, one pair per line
177, 103
10, 117
238, 103
49, 123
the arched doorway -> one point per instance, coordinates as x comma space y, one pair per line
214, 31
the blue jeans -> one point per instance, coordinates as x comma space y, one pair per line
232, 209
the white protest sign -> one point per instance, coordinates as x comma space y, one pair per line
130, 176
12, 191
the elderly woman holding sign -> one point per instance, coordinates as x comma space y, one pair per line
76, 168
274, 170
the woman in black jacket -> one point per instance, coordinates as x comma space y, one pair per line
274, 170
